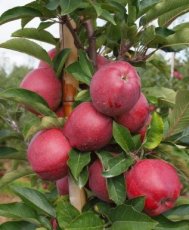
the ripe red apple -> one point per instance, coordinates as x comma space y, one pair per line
48, 154
60, 111
158, 181
52, 53
44, 82
136, 117
101, 61
87, 129
62, 186
97, 183
115, 88
143, 130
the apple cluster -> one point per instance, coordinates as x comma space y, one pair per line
116, 95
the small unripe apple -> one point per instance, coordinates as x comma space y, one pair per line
87, 129
97, 183
52, 53
101, 61
44, 82
136, 117
115, 88
62, 186
48, 154
157, 181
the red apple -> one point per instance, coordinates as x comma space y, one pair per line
101, 61
157, 181
143, 130
52, 53
87, 129
62, 186
48, 154
136, 117
115, 88
60, 111
97, 183
177, 75
45, 83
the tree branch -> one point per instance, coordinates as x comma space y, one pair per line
91, 40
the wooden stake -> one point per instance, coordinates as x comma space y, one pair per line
70, 86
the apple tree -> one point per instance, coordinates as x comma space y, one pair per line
84, 135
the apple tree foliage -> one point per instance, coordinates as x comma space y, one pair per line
131, 30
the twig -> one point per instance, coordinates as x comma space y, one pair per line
66, 20
92, 41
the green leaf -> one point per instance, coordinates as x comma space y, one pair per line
36, 34
179, 40
35, 199
125, 217
15, 225
123, 137
18, 12
7, 134
116, 189
76, 70
19, 211
53, 4
107, 16
86, 221
68, 6
178, 213
59, 61
65, 212
44, 25
137, 203
28, 98
104, 157
167, 18
165, 224
11, 153
144, 5
85, 63
28, 47
83, 178
163, 94
117, 166
83, 95
14, 175
179, 116
161, 8
178, 157
77, 161
46, 122
155, 132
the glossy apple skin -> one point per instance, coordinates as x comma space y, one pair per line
135, 119
101, 61
115, 88
48, 154
97, 183
52, 53
62, 186
87, 129
44, 82
158, 181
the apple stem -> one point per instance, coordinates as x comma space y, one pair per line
70, 86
